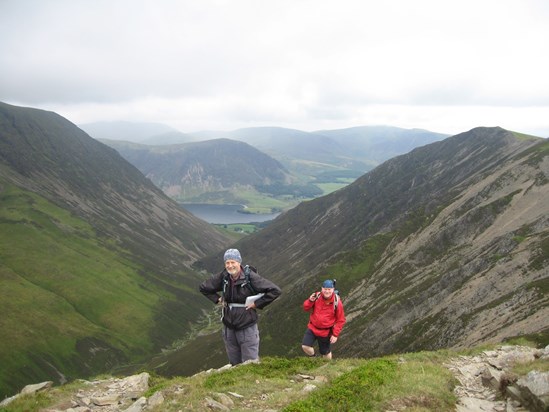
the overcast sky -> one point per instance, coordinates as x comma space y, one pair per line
445, 66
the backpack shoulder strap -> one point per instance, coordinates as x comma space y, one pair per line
247, 270
225, 283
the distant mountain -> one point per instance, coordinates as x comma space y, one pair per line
167, 138
94, 259
282, 142
212, 170
358, 148
445, 246
137, 132
380, 143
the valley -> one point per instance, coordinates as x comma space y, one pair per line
265, 169
443, 247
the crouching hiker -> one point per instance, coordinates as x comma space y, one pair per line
242, 292
325, 322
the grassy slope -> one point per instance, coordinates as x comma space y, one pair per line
413, 381
417, 381
85, 275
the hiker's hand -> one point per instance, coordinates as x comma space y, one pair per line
251, 306
220, 300
313, 297
333, 339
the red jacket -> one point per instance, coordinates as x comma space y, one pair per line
324, 320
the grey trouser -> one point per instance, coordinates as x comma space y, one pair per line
241, 345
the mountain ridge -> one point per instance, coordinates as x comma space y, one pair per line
277, 167
444, 246
206, 170
412, 241
88, 246
356, 148
45, 161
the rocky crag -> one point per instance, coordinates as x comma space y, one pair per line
485, 383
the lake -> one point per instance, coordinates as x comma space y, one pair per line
225, 214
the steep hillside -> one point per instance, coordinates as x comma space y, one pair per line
445, 246
94, 259
209, 171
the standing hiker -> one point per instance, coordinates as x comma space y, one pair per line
242, 292
325, 322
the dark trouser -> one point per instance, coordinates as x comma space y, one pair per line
241, 345
324, 346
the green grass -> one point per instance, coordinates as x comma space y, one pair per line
261, 203
540, 365
540, 339
62, 258
331, 187
412, 382
61, 285
415, 382
523, 136
360, 264
256, 202
357, 390
239, 230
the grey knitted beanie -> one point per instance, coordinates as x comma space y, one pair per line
232, 254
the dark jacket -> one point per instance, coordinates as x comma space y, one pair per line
236, 292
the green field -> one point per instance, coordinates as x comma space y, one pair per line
260, 203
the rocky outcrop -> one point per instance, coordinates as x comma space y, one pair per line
27, 390
105, 395
120, 394
486, 382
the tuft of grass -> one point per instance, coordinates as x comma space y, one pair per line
273, 367
540, 365
358, 390
422, 383
45, 399
534, 340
